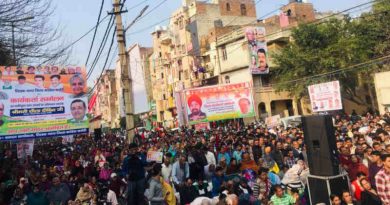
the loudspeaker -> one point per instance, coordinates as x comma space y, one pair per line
320, 188
97, 134
320, 145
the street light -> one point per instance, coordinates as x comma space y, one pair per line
13, 33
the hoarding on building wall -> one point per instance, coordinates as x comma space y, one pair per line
258, 53
325, 96
219, 102
42, 101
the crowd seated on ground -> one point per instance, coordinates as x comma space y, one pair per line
230, 163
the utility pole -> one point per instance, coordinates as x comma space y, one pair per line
13, 34
125, 71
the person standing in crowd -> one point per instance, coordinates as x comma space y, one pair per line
59, 192
135, 170
262, 187
347, 198
335, 200
374, 167
188, 192
180, 171
382, 180
210, 155
166, 170
355, 167
237, 154
357, 188
257, 150
369, 196
218, 181
37, 197
155, 194
282, 198
85, 194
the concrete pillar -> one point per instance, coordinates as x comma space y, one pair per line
268, 108
295, 106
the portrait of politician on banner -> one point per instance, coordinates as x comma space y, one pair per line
220, 102
258, 63
42, 101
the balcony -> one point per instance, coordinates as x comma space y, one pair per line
171, 103
166, 38
280, 35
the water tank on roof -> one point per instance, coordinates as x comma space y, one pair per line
157, 28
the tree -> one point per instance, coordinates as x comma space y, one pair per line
5, 56
36, 40
320, 48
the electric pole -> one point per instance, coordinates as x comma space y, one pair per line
125, 71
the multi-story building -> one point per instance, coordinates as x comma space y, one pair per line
176, 61
139, 71
226, 50
104, 106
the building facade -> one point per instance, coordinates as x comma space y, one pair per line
105, 107
176, 62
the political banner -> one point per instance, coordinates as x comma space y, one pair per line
258, 53
202, 126
325, 96
42, 101
219, 102
272, 121
25, 148
153, 156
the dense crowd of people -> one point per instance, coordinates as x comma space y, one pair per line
230, 163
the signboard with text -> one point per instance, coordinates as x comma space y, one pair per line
272, 121
154, 156
42, 101
219, 102
325, 96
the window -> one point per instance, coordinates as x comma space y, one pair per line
256, 81
265, 81
180, 24
162, 115
227, 79
228, 7
180, 75
162, 75
243, 9
164, 97
224, 53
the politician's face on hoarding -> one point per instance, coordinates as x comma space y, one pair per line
260, 35
244, 104
77, 84
262, 58
250, 35
78, 109
195, 107
1, 110
55, 80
